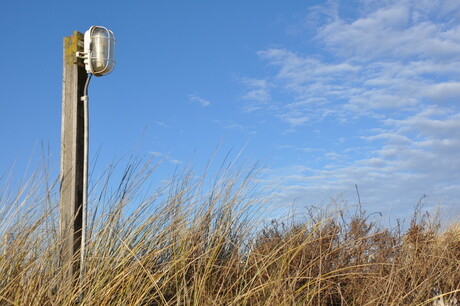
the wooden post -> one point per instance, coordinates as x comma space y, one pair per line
72, 142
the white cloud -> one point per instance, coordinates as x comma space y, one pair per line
162, 124
235, 126
258, 94
443, 91
402, 29
258, 90
386, 59
156, 154
431, 122
167, 157
397, 66
199, 100
304, 69
295, 119
395, 175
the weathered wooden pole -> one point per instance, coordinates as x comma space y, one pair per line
72, 157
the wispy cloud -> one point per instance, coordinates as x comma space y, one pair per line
394, 57
400, 29
258, 90
162, 124
235, 126
199, 100
167, 157
396, 66
257, 93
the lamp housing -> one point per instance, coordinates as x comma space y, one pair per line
99, 51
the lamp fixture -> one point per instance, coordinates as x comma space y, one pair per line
99, 51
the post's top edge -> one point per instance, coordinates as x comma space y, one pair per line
72, 44
77, 33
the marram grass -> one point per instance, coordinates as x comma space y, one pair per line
193, 242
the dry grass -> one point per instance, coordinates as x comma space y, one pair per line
194, 243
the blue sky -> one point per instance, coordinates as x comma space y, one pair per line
325, 94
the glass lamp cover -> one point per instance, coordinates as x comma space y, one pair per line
102, 54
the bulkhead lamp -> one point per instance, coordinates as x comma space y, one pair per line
99, 51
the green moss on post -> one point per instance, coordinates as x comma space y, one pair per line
72, 45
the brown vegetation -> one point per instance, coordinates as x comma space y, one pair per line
192, 244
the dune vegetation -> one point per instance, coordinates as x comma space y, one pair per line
210, 241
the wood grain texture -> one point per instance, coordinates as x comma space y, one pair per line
72, 142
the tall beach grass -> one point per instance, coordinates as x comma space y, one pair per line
203, 241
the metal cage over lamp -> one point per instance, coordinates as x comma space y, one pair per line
99, 51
